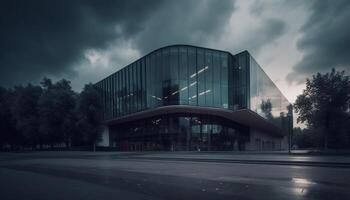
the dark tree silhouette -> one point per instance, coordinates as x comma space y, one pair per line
305, 138
89, 110
25, 111
50, 114
57, 112
8, 132
324, 106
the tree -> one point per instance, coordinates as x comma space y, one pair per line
324, 106
57, 111
89, 109
50, 114
25, 111
8, 133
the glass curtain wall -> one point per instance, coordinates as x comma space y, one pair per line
176, 75
265, 98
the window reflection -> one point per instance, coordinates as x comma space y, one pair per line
266, 99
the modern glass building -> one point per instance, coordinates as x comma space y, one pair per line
183, 97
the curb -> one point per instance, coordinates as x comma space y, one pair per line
266, 162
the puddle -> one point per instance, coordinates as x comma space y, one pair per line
302, 181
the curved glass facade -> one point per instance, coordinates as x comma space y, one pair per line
193, 76
176, 75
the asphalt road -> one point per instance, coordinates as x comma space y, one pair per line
101, 176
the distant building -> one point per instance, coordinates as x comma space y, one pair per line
184, 97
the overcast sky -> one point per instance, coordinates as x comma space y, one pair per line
84, 41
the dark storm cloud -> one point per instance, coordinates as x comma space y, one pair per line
41, 38
257, 8
270, 30
45, 37
325, 40
190, 22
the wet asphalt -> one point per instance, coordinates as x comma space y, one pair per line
133, 176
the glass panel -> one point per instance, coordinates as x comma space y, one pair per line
113, 95
103, 99
224, 80
231, 88
159, 76
173, 95
124, 91
134, 92
166, 78
108, 98
183, 76
216, 80
128, 89
153, 77
192, 68
121, 93
143, 98
138, 86
148, 82
118, 94
201, 70
208, 78
195, 133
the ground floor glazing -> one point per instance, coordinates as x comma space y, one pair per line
179, 132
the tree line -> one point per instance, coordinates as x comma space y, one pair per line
49, 115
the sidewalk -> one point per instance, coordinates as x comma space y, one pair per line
252, 158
